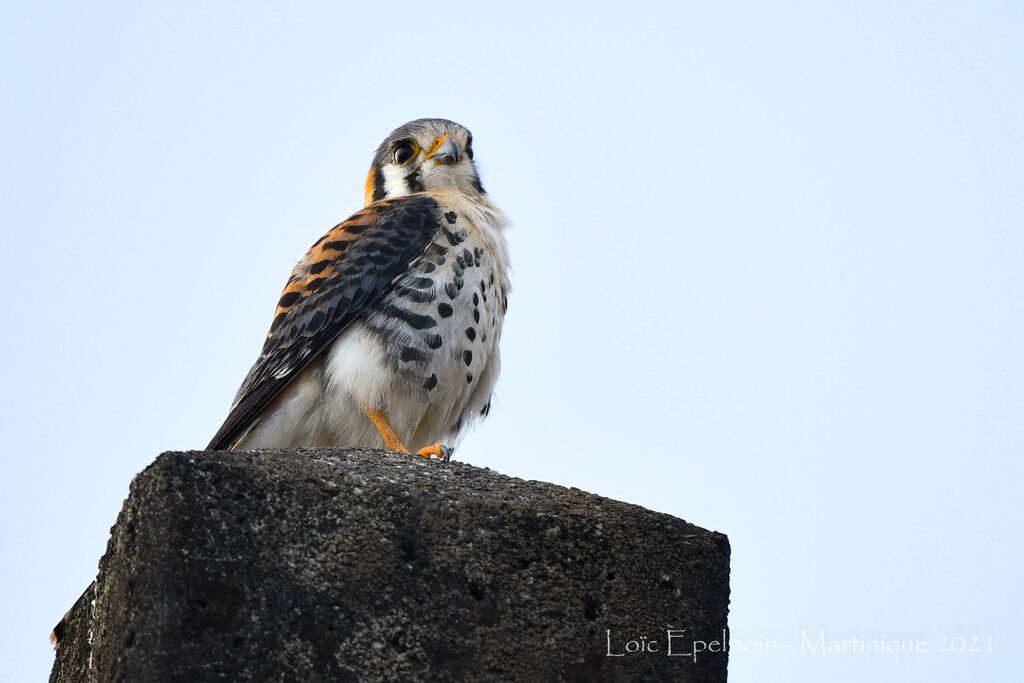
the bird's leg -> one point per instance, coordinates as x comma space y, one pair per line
394, 443
391, 439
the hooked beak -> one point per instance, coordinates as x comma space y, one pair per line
445, 151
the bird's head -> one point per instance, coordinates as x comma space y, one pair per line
425, 154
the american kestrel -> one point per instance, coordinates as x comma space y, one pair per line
387, 331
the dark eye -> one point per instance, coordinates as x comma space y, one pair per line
404, 152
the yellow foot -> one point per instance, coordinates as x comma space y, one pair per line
437, 449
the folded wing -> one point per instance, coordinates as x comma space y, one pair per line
341, 277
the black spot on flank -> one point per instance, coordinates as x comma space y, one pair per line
483, 286
492, 278
413, 181
418, 282
315, 284
469, 258
483, 336
451, 290
433, 341
452, 237
319, 266
411, 355
467, 356
451, 217
415, 295
471, 333
458, 282
486, 409
476, 315
431, 382
460, 264
504, 305
469, 378
414, 320
378, 184
289, 299
476, 299
435, 249
444, 309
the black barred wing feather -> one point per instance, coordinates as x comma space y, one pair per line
343, 275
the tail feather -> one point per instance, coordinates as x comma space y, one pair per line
57, 635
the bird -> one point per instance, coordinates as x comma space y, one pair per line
386, 334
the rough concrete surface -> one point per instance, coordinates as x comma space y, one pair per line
363, 565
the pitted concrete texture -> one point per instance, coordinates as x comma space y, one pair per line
364, 565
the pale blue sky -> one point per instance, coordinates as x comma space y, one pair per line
768, 278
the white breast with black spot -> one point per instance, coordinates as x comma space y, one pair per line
441, 323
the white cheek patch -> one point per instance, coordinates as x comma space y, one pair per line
394, 181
